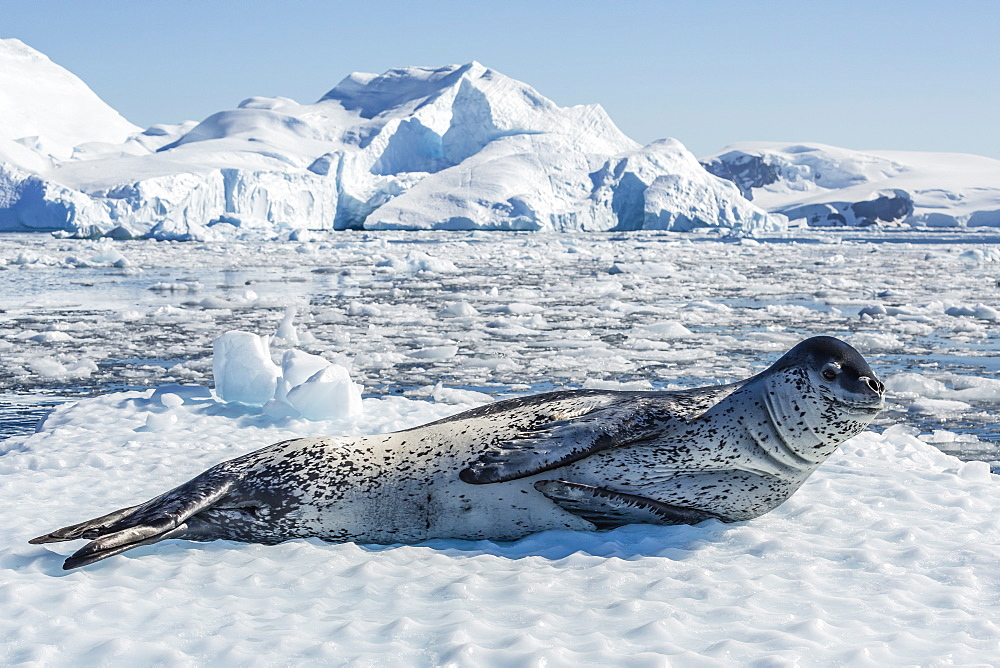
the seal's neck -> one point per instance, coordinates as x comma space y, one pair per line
796, 435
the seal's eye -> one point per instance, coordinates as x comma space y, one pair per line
829, 373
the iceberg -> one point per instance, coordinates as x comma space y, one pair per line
460, 147
827, 185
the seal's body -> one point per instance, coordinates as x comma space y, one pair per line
563, 460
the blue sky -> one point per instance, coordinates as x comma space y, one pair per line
879, 74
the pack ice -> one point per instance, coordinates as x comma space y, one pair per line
457, 147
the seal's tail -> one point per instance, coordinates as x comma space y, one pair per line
157, 519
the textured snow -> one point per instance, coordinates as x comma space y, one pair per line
887, 555
828, 185
457, 147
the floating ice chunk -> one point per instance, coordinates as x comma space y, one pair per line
298, 366
936, 406
873, 311
458, 310
627, 386
871, 342
51, 368
50, 337
791, 311
216, 303
185, 286
286, 330
121, 233
939, 436
980, 311
915, 383
365, 310
126, 316
876, 311
109, 255
303, 235
952, 386
243, 370
26, 258
973, 388
518, 308
329, 394
973, 256
278, 408
652, 269
249, 299
669, 329
435, 353
451, 395
416, 261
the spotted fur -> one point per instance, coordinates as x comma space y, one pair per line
561, 460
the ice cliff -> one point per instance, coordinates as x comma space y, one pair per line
457, 147
827, 185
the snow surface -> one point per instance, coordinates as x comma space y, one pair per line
457, 147
888, 555
828, 185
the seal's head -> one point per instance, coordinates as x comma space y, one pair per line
819, 394
838, 372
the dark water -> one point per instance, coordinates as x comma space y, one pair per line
21, 414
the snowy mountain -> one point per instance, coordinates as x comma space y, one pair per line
46, 111
457, 147
826, 185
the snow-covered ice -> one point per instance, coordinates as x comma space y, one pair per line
829, 185
888, 555
456, 147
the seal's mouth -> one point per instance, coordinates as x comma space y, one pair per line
866, 407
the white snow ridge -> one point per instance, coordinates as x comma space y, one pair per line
457, 147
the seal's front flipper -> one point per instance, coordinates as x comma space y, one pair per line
607, 509
158, 519
560, 443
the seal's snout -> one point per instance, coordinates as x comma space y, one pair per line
874, 384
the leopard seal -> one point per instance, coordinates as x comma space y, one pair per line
578, 459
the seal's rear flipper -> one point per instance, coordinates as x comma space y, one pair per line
607, 509
89, 529
116, 543
158, 519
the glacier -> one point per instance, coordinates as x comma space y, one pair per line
819, 184
456, 147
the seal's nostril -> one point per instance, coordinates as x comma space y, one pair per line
876, 385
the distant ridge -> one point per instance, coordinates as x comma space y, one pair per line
459, 147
